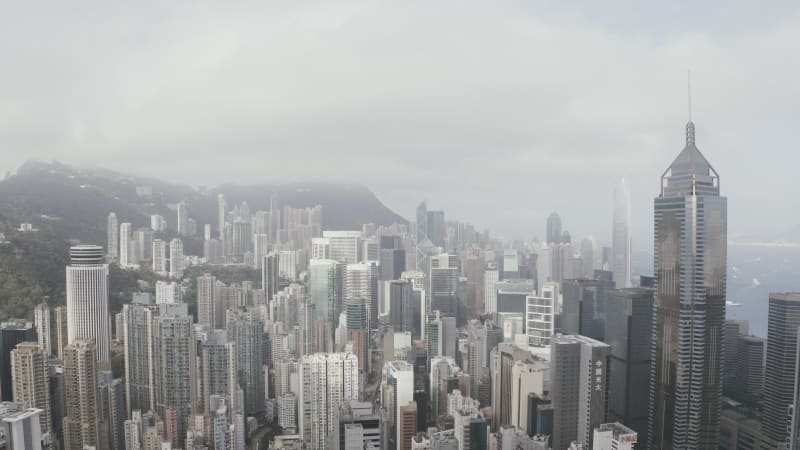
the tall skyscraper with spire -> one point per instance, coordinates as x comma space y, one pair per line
621, 245
690, 269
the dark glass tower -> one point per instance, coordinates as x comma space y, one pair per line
690, 230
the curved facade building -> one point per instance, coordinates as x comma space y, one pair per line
689, 311
87, 298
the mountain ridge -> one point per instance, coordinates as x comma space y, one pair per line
73, 203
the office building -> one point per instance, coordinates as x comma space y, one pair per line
588, 257
614, 436
629, 329
501, 364
584, 307
400, 305
80, 367
475, 268
327, 380
690, 233
87, 298
579, 388
621, 236
324, 286
780, 381
443, 281
343, 245
750, 373
20, 427
12, 333
490, 278
512, 294
360, 425
397, 391
527, 377
540, 316
392, 263
113, 236
406, 425
553, 229
733, 330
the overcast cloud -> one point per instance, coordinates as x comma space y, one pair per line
496, 112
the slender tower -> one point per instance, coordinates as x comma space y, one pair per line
690, 268
87, 298
113, 236
621, 245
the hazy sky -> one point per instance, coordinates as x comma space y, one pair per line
496, 112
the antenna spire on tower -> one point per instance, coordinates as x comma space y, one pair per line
689, 92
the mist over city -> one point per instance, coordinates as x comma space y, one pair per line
403, 226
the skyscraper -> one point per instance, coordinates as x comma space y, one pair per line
344, 245
733, 330
554, 234
247, 330
20, 428
113, 236
584, 307
621, 235
397, 391
125, 244
60, 330
221, 216
87, 298
12, 332
160, 257
540, 314
690, 271
174, 343
140, 355
30, 380
80, 366
270, 278
781, 371
183, 218
44, 330
629, 329
579, 388
176, 258
209, 306
588, 257
327, 379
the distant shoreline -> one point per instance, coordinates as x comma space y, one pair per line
765, 244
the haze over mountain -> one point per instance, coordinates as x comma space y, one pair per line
74, 203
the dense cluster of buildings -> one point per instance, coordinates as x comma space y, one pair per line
428, 335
